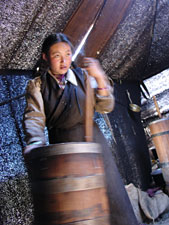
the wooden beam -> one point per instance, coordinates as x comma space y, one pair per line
81, 20
111, 16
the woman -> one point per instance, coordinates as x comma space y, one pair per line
60, 96
57, 100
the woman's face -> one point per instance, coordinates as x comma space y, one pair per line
59, 58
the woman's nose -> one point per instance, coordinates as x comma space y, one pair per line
63, 59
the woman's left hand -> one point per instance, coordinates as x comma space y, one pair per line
93, 68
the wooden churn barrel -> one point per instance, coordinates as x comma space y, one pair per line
160, 136
68, 184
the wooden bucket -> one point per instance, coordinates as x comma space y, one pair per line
68, 184
160, 135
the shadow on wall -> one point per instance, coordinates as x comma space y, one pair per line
129, 146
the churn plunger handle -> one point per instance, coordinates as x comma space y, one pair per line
89, 110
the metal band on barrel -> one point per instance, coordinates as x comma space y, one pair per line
104, 220
69, 184
159, 121
66, 148
160, 134
97, 221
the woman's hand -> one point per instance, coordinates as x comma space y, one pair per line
29, 148
94, 69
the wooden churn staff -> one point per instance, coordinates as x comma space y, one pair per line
89, 110
157, 107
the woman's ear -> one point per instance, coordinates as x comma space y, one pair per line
44, 57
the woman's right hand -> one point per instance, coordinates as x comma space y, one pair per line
29, 148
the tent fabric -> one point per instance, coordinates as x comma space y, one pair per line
25, 24
139, 47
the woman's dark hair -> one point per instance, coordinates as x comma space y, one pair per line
53, 39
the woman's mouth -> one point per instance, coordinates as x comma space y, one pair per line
63, 67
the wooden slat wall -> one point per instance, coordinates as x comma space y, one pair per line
111, 16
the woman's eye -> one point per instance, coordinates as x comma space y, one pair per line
56, 56
68, 54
